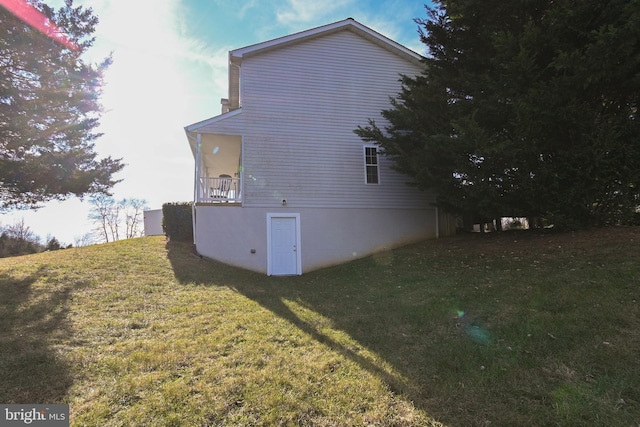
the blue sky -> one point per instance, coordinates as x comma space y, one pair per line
170, 70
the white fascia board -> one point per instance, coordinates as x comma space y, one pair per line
194, 127
192, 130
237, 54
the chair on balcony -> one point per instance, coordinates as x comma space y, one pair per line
224, 186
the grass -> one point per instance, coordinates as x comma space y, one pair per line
511, 329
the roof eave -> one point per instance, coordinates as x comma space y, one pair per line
236, 56
198, 125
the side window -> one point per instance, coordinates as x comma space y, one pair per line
371, 165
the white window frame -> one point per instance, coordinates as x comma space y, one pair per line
367, 165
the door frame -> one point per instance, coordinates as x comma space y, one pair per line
296, 216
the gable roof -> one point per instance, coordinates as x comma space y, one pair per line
235, 56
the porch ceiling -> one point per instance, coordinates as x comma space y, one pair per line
220, 154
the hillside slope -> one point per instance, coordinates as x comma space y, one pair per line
511, 329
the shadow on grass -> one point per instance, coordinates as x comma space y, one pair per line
477, 329
31, 319
358, 300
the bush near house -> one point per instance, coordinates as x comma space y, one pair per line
177, 221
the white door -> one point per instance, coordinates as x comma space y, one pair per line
283, 240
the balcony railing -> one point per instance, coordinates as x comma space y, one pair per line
219, 190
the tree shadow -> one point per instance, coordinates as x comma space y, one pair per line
342, 295
32, 320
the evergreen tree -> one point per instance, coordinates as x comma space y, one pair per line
525, 108
53, 245
49, 107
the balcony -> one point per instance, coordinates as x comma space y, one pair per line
222, 189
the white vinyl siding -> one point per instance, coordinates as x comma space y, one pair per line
301, 104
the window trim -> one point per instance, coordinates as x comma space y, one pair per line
368, 165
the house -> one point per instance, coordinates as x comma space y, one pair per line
282, 183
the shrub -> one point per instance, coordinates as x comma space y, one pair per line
53, 245
177, 221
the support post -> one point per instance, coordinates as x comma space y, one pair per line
196, 185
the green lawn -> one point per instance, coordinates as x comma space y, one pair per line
511, 329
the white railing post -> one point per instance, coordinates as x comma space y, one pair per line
196, 181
